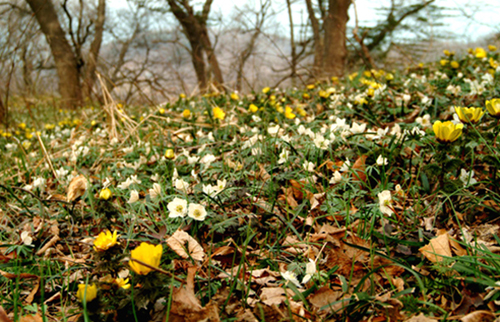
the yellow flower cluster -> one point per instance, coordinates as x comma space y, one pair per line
218, 113
470, 115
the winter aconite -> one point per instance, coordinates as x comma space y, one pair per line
148, 254
86, 292
493, 107
105, 240
469, 114
447, 132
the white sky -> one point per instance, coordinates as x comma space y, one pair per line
483, 14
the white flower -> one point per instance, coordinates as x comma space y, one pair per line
467, 177
207, 159
426, 101
106, 183
221, 185
455, 90
337, 177
26, 238
209, 190
256, 151
283, 156
155, 192
181, 185
308, 166
131, 180
291, 277
61, 172
155, 177
345, 166
406, 99
256, 119
399, 190
134, 196
197, 212
381, 160
356, 128
177, 208
273, 130
192, 160
310, 271
425, 120
39, 182
384, 199
321, 142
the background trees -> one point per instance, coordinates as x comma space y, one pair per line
151, 50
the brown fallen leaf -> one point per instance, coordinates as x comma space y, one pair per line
186, 307
76, 188
420, 318
324, 297
478, 316
359, 168
14, 276
437, 249
31, 318
177, 242
3, 315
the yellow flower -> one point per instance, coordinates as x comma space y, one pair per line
253, 108
162, 111
123, 283
279, 109
306, 96
454, 64
479, 52
492, 47
311, 86
324, 94
493, 106
218, 113
301, 111
469, 114
367, 73
93, 123
169, 154
370, 92
186, 113
446, 52
86, 292
22, 126
148, 254
420, 65
289, 113
105, 240
447, 132
105, 194
493, 63
444, 62
389, 76
266, 90
49, 127
272, 97
235, 96
182, 95
335, 79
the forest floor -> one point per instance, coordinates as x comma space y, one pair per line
337, 201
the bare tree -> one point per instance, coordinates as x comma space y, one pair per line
65, 60
194, 25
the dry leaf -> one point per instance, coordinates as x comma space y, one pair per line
186, 307
31, 318
323, 297
3, 315
76, 188
359, 168
177, 242
420, 318
437, 249
478, 316
272, 295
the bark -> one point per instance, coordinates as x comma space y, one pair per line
195, 28
64, 58
95, 47
292, 44
335, 53
317, 39
3, 113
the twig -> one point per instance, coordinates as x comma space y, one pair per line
46, 155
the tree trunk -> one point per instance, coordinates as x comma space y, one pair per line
95, 47
318, 41
199, 64
335, 52
212, 58
64, 58
293, 66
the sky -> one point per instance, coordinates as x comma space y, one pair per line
482, 14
